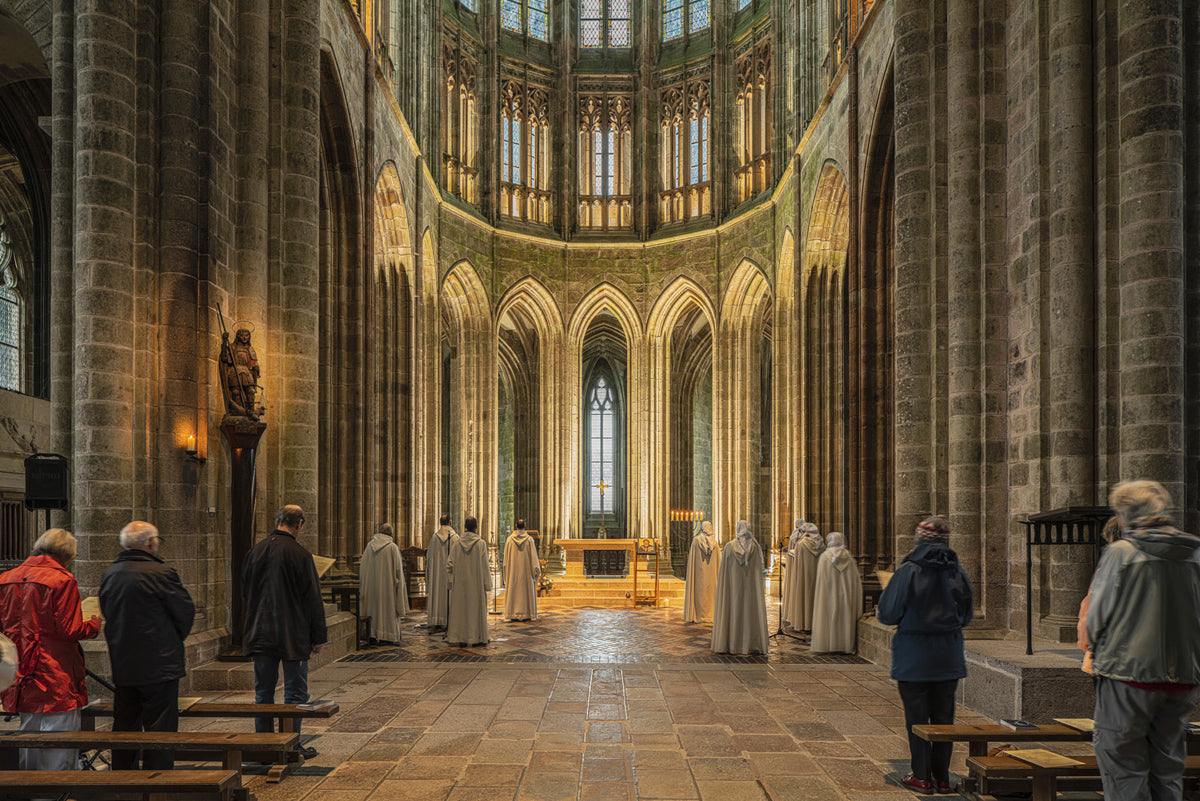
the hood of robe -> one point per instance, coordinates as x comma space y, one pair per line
468, 540
520, 536
444, 533
810, 538
838, 554
379, 541
706, 541
706, 528
744, 542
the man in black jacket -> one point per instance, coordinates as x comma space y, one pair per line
147, 614
285, 617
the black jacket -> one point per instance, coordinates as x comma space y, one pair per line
285, 616
147, 614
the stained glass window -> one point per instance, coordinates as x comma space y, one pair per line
684, 17
510, 16
604, 23
602, 436
10, 324
539, 27
742, 4
525, 18
469, 5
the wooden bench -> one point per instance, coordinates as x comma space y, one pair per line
1046, 780
220, 784
288, 716
230, 748
978, 736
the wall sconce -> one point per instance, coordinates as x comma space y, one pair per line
191, 449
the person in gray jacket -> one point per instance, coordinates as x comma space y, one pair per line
1143, 629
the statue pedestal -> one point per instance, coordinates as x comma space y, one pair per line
243, 435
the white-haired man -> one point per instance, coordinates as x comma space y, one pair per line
147, 613
1143, 629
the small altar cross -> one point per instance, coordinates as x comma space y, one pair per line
602, 534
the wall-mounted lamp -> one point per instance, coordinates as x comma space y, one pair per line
191, 449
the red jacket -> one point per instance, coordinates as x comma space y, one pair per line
39, 612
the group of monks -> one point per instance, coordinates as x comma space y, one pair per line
821, 592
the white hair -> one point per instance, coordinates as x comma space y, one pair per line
1141, 503
137, 535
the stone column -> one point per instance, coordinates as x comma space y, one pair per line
913, 257
102, 446
963, 277
1150, 153
1072, 294
295, 270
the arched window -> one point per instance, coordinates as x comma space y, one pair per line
604, 23
684, 149
685, 17
605, 160
526, 18
10, 316
602, 432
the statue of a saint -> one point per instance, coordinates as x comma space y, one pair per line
239, 374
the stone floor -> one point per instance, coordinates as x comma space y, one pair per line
677, 725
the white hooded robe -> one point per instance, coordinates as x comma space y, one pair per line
382, 591
798, 602
521, 573
704, 559
740, 612
470, 580
838, 603
437, 580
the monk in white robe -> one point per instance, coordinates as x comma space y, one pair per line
382, 591
838, 601
437, 578
799, 607
470, 580
521, 573
704, 559
740, 612
788, 558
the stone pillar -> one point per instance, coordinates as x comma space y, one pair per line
1150, 153
295, 329
102, 445
913, 257
965, 257
1072, 304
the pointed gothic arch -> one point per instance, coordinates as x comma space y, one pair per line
823, 355
530, 335
785, 386
469, 388
742, 400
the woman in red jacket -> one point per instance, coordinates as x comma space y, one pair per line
39, 612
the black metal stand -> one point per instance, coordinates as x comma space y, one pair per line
779, 631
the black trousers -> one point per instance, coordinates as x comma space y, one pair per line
146, 707
928, 702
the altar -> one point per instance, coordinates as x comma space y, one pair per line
596, 558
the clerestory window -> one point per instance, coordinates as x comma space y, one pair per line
10, 316
684, 150
605, 160
526, 18
685, 17
604, 23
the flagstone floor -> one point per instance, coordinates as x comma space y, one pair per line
675, 726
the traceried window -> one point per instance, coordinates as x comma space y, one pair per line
685, 17
605, 160
602, 416
742, 4
526, 18
684, 150
604, 23
460, 146
524, 151
10, 316
752, 138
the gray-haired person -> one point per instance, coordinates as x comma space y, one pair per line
1143, 629
148, 613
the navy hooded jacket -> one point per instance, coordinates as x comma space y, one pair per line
929, 600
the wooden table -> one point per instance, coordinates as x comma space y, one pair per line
231, 748
977, 737
223, 785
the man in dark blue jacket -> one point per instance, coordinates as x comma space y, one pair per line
285, 617
147, 614
929, 600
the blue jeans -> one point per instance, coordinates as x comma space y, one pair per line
266, 674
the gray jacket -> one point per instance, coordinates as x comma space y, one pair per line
1144, 620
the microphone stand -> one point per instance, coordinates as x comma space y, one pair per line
779, 630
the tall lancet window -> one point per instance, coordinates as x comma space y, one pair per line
684, 149
605, 160
604, 23
603, 438
752, 136
10, 316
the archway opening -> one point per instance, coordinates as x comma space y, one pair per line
604, 404
691, 431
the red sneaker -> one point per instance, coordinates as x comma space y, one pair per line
944, 788
922, 786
